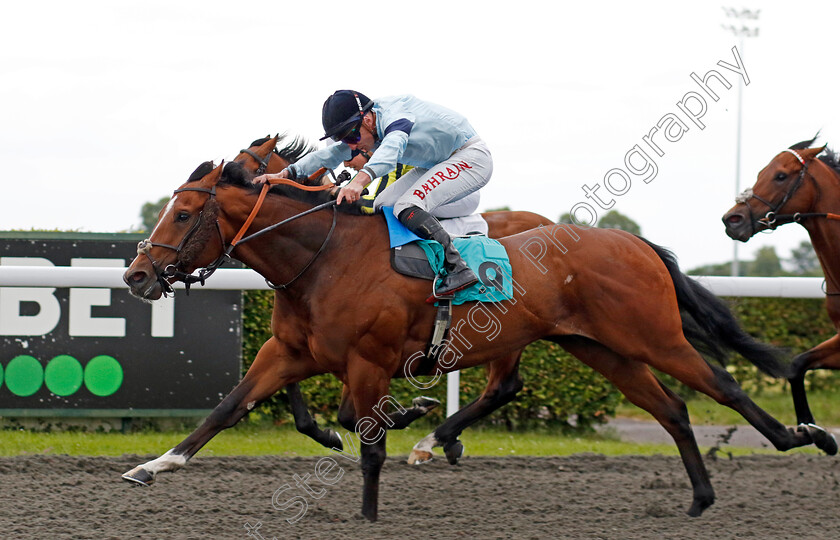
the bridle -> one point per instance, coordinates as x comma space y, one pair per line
174, 270
264, 162
261, 161
772, 218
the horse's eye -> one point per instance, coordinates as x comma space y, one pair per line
182, 216
781, 176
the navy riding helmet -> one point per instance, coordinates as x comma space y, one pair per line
342, 111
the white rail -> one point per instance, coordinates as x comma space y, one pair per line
111, 278
235, 279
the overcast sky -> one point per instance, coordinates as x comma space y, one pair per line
107, 105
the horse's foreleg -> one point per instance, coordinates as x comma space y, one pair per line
306, 424
826, 355
502, 386
644, 390
272, 368
369, 384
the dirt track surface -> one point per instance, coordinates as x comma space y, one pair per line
584, 496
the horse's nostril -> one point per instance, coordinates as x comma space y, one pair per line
734, 219
138, 277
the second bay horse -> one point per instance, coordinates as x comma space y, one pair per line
800, 185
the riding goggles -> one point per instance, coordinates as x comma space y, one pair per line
353, 136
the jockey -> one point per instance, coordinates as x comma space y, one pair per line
451, 163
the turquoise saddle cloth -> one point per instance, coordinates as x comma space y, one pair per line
485, 256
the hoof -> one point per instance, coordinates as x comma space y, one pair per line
822, 439
453, 452
334, 440
139, 475
424, 403
697, 507
418, 457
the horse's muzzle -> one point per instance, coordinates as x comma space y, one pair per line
738, 225
142, 284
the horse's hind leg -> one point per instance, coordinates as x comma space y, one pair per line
502, 386
826, 355
399, 419
644, 390
273, 367
686, 364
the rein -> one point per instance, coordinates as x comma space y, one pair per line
172, 270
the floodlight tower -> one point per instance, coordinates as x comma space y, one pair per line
743, 24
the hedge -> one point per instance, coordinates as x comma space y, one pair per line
559, 391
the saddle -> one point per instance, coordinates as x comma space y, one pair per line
411, 260
423, 259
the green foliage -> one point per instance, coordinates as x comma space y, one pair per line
720, 269
803, 262
559, 390
611, 220
149, 213
616, 220
766, 263
795, 324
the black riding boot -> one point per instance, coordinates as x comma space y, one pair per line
458, 274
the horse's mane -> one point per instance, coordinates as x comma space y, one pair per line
828, 156
234, 174
292, 152
294, 149
201, 171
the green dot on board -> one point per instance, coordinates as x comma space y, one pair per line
24, 375
63, 375
103, 375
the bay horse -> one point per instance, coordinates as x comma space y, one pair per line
504, 382
800, 186
610, 298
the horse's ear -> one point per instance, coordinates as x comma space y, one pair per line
215, 175
274, 142
811, 153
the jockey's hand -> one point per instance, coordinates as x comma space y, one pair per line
262, 179
353, 191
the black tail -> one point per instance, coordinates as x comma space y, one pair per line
712, 328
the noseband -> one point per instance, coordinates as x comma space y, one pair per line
772, 219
